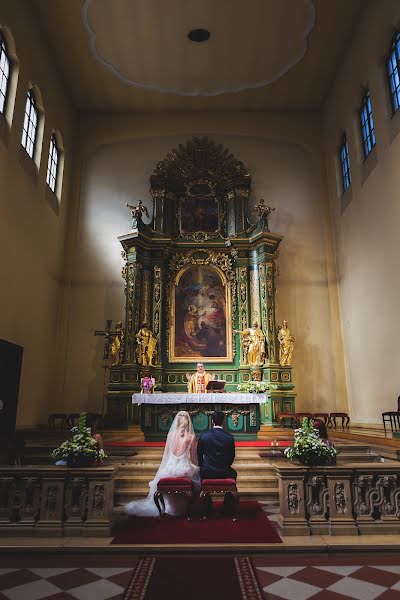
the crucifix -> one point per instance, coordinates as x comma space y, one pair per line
108, 336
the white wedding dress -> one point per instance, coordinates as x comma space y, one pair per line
179, 460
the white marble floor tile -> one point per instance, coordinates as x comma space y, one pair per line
340, 570
107, 571
98, 590
282, 571
355, 588
292, 590
45, 573
31, 591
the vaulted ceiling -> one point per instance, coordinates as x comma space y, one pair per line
134, 55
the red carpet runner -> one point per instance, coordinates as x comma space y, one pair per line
194, 578
252, 527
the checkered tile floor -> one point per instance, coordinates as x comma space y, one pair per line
329, 582
64, 584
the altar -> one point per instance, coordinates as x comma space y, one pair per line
200, 288
242, 412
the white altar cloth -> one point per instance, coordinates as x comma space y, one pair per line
184, 398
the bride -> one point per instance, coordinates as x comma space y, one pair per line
179, 460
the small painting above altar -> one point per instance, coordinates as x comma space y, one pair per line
199, 210
201, 316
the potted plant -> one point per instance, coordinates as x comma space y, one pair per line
82, 449
308, 448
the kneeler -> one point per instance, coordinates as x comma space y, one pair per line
213, 487
174, 485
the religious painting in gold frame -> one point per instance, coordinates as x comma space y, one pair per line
199, 211
200, 317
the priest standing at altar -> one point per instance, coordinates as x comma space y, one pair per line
198, 381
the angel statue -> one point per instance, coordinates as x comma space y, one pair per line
136, 213
116, 345
253, 344
286, 345
263, 213
146, 346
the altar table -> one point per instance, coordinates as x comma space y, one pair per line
242, 412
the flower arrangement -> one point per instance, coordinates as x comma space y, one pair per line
82, 449
256, 387
308, 448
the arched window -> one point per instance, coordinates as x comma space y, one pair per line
4, 73
29, 131
393, 67
345, 162
367, 123
52, 164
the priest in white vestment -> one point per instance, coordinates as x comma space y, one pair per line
197, 382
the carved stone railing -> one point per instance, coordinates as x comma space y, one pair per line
339, 500
55, 501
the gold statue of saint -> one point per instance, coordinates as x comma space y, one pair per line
286, 345
197, 382
146, 346
115, 349
253, 344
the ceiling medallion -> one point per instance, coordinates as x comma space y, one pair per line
146, 46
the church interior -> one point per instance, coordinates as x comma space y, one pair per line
188, 192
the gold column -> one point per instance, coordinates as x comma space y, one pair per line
243, 310
145, 303
157, 291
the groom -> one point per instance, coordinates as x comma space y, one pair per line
216, 451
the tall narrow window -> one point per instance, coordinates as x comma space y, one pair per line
367, 124
393, 66
4, 73
29, 131
345, 162
52, 164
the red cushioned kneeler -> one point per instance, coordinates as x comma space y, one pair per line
211, 487
173, 485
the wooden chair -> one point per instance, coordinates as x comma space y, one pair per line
174, 485
300, 417
344, 416
393, 416
282, 416
212, 487
322, 416
57, 418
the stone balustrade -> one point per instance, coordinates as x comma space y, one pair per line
339, 500
56, 500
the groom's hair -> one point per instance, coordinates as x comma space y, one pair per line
217, 417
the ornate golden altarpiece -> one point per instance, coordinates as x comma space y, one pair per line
200, 244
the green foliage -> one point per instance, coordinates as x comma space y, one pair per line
81, 445
308, 448
256, 387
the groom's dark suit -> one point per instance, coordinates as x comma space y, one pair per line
216, 453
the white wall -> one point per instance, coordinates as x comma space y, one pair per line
366, 233
32, 232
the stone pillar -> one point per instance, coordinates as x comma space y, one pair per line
291, 500
317, 503
100, 503
51, 506
341, 521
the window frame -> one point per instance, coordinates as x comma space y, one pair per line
367, 125
393, 72
30, 97
344, 162
5, 93
52, 174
